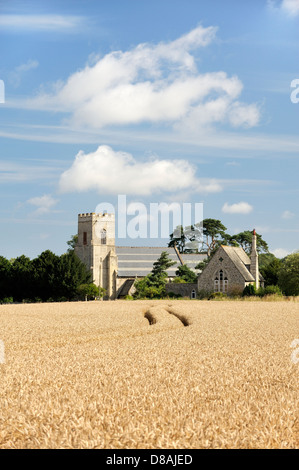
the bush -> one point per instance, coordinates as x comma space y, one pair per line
203, 294
269, 290
179, 280
90, 291
129, 297
217, 296
288, 275
234, 291
7, 300
249, 290
172, 295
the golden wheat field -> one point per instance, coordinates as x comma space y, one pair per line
149, 374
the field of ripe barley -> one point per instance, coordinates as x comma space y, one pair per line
149, 374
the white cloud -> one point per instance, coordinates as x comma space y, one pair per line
151, 83
14, 172
33, 23
16, 75
237, 208
112, 172
287, 215
44, 204
30, 64
291, 7
280, 252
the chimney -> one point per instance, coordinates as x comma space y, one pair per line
254, 261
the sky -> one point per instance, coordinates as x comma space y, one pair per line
162, 102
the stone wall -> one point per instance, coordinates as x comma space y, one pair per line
184, 289
236, 282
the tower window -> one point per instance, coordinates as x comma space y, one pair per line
103, 237
84, 238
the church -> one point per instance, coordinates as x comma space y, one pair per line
230, 270
117, 267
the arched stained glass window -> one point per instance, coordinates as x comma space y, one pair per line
220, 282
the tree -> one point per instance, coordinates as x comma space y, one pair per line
146, 288
90, 291
249, 290
214, 234
22, 279
270, 270
153, 285
161, 265
186, 274
202, 264
178, 239
71, 273
45, 279
72, 243
186, 239
5, 274
244, 239
288, 275
58, 277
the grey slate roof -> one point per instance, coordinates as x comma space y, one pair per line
138, 261
241, 260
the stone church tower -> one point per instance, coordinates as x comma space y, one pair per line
96, 248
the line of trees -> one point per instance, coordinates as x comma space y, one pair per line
209, 235
46, 278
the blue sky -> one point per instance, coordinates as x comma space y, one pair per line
164, 101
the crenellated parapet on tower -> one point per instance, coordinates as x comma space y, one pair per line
96, 249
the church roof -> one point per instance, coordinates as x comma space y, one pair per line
241, 260
138, 261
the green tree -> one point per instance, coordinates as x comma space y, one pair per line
161, 265
244, 239
270, 271
153, 285
202, 264
178, 239
288, 275
186, 274
58, 277
70, 274
5, 278
72, 243
22, 279
213, 235
45, 277
186, 239
249, 290
90, 291
210, 233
